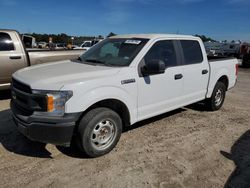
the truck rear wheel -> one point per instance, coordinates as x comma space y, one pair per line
99, 131
218, 96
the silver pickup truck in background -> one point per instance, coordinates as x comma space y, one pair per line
14, 56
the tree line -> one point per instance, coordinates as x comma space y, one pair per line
64, 38
205, 38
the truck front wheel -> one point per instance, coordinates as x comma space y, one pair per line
218, 96
99, 131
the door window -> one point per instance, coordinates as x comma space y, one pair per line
162, 51
192, 51
87, 44
6, 44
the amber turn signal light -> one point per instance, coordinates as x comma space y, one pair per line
50, 103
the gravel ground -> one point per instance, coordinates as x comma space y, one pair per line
188, 147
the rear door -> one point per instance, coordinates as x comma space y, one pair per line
195, 71
12, 56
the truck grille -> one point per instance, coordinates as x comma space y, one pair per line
20, 86
24, 102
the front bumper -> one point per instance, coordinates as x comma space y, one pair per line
54, 130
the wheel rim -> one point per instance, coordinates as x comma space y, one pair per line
103, 134
218, 97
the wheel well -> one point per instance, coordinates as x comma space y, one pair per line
224, 80
115, 105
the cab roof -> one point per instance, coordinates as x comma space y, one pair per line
154, 36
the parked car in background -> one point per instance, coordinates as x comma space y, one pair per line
14, 56
42, 44
86, 45
29, 41
245, 54
118, 82
214, 49
246, 60
60, 46
74, 46
231, 49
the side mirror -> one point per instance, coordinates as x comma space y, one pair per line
153, 67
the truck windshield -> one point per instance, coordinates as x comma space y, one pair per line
114, 52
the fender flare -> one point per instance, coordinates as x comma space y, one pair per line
83, 101
221, 73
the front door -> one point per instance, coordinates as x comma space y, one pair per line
160, 93
11, 57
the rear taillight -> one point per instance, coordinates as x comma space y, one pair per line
236, 69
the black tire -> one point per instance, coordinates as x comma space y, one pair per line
96, 127
213, 103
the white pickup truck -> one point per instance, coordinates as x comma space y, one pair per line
120, 81
86, 45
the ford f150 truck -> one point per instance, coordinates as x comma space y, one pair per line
118, 82
14, 56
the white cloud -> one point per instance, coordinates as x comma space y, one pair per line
121, 11
159, 1
116, 17
8, 2
134, 1
240, 1
237, 2
189, 1
117, 11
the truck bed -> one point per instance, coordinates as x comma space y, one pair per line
218, 58
45, 56
222, 66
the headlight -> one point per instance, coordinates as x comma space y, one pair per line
55, 102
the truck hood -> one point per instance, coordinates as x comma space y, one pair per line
53, 76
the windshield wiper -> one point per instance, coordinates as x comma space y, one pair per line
95, 61
99, 62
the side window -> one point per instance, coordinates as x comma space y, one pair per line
164, 51
6, 44
87, 44
192, 51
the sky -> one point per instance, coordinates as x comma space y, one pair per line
219, 19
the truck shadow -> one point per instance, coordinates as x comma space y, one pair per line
153, 119
240, 155
14, 142
5, 94
74, 152
199, 106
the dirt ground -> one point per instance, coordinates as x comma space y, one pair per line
189, 147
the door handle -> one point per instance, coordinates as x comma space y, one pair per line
204, 71
178, 76
15, 57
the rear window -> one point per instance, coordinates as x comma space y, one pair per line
6, 44
192, 52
